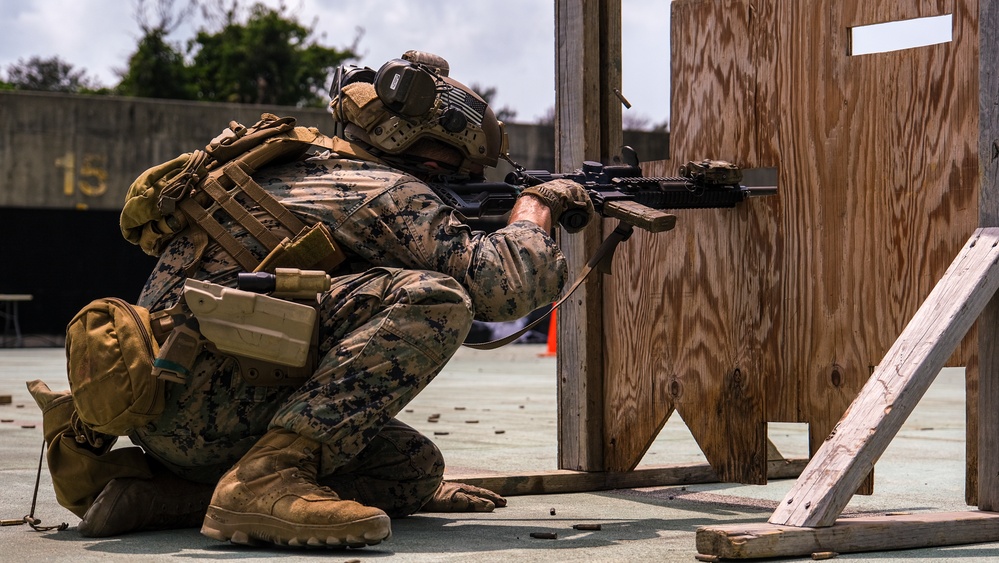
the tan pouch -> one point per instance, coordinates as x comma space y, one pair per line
80, 469
109, 352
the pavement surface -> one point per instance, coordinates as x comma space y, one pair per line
498, 414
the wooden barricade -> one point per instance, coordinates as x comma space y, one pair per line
779, 310
790, 309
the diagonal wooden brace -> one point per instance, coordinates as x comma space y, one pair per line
830, 479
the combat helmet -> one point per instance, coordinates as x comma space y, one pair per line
411, 99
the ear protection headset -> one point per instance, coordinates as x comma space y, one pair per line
407, 87
421, 100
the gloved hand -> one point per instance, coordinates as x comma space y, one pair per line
569, 203
459, 497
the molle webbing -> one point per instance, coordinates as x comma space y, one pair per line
222, 187
230, 160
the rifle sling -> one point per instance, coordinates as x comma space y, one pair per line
601, 260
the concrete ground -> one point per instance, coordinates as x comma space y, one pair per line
497, 413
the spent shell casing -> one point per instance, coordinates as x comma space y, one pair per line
587, 527
544, 535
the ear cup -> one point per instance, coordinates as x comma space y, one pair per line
349, 74
406, 89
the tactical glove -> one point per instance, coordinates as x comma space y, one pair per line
459, 497
569, 203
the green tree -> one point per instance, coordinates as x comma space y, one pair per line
156, 70
270, 58
505, 114
49, 75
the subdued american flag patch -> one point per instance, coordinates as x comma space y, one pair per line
472, 107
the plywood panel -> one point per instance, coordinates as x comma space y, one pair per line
778, 311
688, 330
883, 169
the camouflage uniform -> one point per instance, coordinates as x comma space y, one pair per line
385, 332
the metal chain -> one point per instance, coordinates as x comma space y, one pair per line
30, 518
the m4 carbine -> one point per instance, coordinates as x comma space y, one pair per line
617, 190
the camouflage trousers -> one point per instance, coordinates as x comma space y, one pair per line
384, 335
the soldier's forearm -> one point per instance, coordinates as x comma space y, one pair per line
529, 208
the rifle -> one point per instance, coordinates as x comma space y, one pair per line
617, 190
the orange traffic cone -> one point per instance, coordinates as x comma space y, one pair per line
552, 335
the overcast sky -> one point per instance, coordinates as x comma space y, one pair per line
506, 44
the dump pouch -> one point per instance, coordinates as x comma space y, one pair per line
110, 346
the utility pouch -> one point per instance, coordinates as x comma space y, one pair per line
178, 353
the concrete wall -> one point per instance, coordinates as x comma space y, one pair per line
82, 152
65, 165
64, 151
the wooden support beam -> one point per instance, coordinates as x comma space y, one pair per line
988, 201
849, 535
551, 482
899, 381
587, 123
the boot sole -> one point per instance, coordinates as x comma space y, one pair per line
259, 529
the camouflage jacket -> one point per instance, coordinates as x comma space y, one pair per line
383, 217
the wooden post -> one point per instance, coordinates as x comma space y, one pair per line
587, 123
988, 198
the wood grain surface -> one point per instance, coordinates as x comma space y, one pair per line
779, 310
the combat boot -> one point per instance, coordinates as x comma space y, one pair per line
165, 502
271, 495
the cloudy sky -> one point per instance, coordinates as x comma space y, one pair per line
506, 44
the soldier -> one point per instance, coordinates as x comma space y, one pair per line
325, 462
